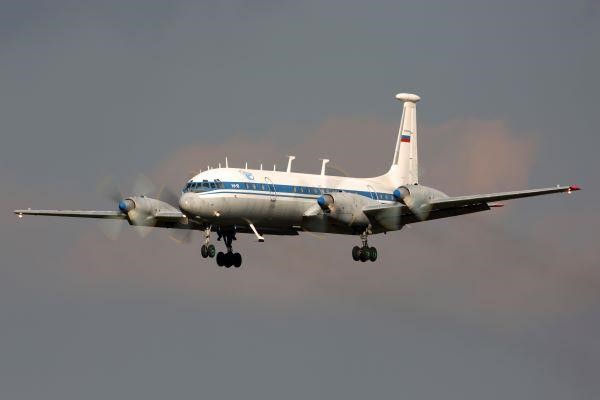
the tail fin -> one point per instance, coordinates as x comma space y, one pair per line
405, 165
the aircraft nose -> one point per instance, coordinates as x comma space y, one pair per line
185, 201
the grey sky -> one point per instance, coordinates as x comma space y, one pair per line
499, 305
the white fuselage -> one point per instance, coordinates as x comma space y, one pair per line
271, 199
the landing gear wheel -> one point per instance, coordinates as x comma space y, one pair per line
373, 254
364, 254
220, 259
228, 259
237, 260
211, 250
356, 253
204, 251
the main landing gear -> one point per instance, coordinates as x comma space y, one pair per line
365, 252
227, 260
230, 258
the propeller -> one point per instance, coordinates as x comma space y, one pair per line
143, 223
316, 213
418, 205
111, 228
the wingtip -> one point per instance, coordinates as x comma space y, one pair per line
573, 188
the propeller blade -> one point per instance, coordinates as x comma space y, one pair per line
142, 230
111, 228
181, 236
143, 186
108, 189
169, 196
421, 209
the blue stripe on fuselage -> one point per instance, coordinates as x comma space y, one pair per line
308, 192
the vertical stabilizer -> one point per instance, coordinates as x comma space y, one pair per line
405, 165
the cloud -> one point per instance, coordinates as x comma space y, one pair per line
469, 267
478, 155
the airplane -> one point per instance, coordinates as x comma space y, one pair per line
228, 201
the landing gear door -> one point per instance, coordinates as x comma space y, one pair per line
272, 191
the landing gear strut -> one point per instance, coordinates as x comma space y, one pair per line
207, 249
365, 252
230, 258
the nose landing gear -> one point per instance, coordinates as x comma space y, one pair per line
365, 252
207, 249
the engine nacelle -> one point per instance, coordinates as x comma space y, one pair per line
326, 202
345, 208
417, 193
141, 210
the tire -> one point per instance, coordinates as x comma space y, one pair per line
204, 251
220, 259
228, 260
356, 253
211, 250
364, 254
237, 260
373, 254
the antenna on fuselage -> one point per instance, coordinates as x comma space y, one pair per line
274, 167
261, 166
246, 165
325, 161
290, 159
219, 165
226, 163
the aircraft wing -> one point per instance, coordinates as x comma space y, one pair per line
462, 201
393, 216
73, 213
161, 215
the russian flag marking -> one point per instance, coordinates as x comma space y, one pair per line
405, 138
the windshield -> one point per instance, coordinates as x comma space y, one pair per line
203, 186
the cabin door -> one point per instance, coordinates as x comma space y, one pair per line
272, 191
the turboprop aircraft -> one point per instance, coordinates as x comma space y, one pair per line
228, 201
